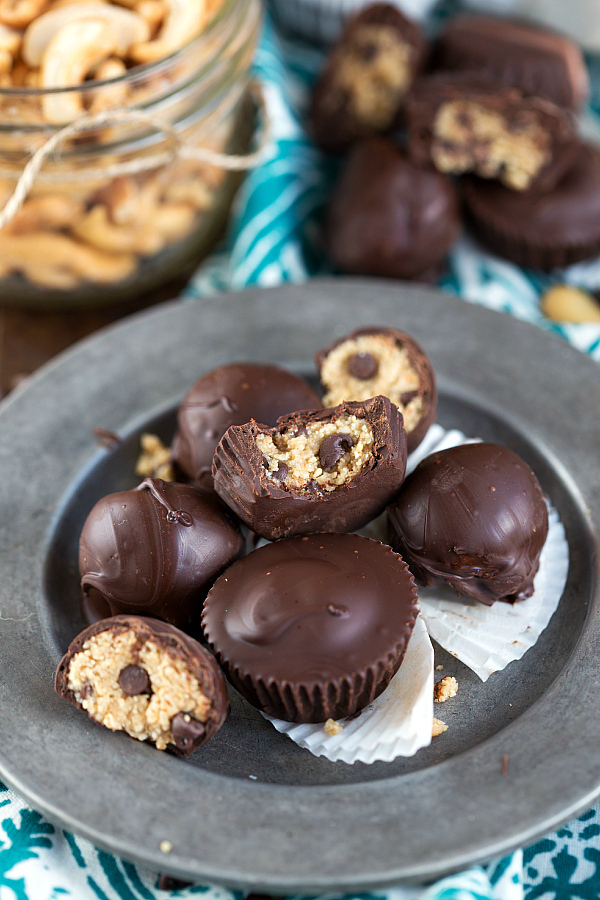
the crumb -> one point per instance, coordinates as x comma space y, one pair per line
332, 728
444, 689
567, 303
505, 764
439, 668
106, 438
155, 459
438, 727
165, 846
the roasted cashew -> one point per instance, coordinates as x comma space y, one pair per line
46, 249
10, 40
184, 20
51, 277
45, 212
196, 193
109, 96
127, 202
173, 220
128, 26
96, 229
152, 12
19, 13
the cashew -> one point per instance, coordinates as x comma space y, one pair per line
111, 95
10, 39
58, 251
46, 212
128, 26
50, 277
19, 74
184, 20
6, 63
152, 12
19, 13
173, 220
96, 229
196, 193
75, 49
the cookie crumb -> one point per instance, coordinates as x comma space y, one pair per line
439, 668
165, 846
438, 727
444, 689
155, 459
332, 728
567, 303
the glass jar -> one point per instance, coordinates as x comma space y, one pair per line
104, 222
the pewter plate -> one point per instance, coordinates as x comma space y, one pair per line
252, 810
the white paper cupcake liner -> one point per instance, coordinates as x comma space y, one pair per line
398, 723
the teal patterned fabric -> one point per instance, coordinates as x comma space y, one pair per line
274, 238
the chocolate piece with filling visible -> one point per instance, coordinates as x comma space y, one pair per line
314, 627
361, 89
462, 123
538, 229
232, 395
475, 517
388, 216
517, 54
147, 678
342, 467
372, 361
155, 550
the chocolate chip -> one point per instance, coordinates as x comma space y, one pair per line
168, 883
186, 730
333, 448
407, 396
134, 680
281, 473
86, 691
363, 366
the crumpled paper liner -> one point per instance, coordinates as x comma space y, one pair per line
397, 723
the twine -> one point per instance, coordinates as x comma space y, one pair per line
178, 150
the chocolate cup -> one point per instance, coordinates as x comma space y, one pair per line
474, 517
419, 361
312, 628
200, 662
540, 230
274, 511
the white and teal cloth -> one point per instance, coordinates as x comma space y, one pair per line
274, 238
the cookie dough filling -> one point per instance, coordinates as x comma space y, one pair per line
369, 365
375, 73
138, 688
467, 137
326, 454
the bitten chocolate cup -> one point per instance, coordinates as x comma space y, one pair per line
475, 517
325, 470
231, 395
155, 550
372, 361
517, 54
147, 678
389, 217
361, 89
314, 627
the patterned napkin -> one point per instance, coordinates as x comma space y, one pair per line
274, 238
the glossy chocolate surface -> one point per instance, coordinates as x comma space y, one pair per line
231, 395
312, 627
274, 511
388, 216
155, 550
475, 517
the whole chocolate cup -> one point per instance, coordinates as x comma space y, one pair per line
273, 511
333, 123
540, 230
475, 517
517, 54
155, 550
231, 395
419, 361
312, 628
389, 217
201, 663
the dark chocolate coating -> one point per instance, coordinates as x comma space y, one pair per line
541, 230
232, 395
518, 111
421, 364
389, 217
156, 550
202, 665
515, 54
333, 121
314, 627
475, 517
275, 511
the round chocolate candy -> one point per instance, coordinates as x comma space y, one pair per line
232, 395
475, 517
313, 627
155, 550
372, 361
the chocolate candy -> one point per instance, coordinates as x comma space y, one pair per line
232, 395
536, 229
361, 90
462, 123
389, 217
475, 517
515, 54
155, 550
386, 361
144, 677
312, 627
325, 470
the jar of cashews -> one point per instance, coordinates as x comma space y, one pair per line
121, 207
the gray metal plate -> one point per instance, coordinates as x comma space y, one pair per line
301, 823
